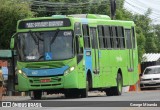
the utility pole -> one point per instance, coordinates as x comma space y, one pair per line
113, 8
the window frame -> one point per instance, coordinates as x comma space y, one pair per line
86, 37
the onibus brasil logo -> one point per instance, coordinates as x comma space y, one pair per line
21, 104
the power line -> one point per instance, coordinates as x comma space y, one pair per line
141, 8
46, 6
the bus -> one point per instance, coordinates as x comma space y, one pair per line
74, 54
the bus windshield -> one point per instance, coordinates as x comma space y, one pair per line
48, 45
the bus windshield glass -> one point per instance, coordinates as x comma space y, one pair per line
42, 46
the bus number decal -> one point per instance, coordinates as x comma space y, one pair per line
67, 33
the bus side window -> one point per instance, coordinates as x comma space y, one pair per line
121, 37
128, 38
111, 38
77, 28
133, 37
107, 34
117, 37
86, 36
101, 37
114, 37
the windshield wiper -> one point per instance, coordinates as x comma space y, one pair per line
34, 38
55, 35
39, 37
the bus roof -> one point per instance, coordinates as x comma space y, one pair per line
90, 18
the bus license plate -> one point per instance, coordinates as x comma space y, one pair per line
45, 80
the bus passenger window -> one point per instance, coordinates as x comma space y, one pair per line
101, 37
128, 38
86, 36
107, 33
114, 37
117, 38
133, 37
121, 37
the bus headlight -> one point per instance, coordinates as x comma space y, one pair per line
72, 68
69, 70
21, 72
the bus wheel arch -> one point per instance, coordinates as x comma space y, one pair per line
119, 80
89, 79
120, 72
84, 92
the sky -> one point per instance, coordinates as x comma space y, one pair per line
141, 6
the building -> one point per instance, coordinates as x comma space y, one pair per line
150, 59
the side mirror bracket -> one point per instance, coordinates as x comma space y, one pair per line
12, 43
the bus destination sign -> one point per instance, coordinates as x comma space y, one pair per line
44, 23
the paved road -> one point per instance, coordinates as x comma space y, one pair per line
152, 95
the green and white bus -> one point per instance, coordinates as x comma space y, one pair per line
75, 54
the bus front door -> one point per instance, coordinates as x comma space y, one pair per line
95, 56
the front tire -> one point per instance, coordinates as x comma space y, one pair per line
84, 92
72, 94
37, 95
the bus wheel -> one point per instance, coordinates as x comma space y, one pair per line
37, 94
72, 94
68, 95
84, 92
109, 92
115, 91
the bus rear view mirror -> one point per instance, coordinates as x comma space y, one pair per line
12, 43
80, 40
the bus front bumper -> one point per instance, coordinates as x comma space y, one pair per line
47, 83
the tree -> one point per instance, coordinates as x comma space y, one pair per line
150, 46
67, 7
157, 36
145, 35
10, 12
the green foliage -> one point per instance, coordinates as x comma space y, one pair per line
67, 7
145, 35
150, 45
140, 43
157, 36
10, 12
